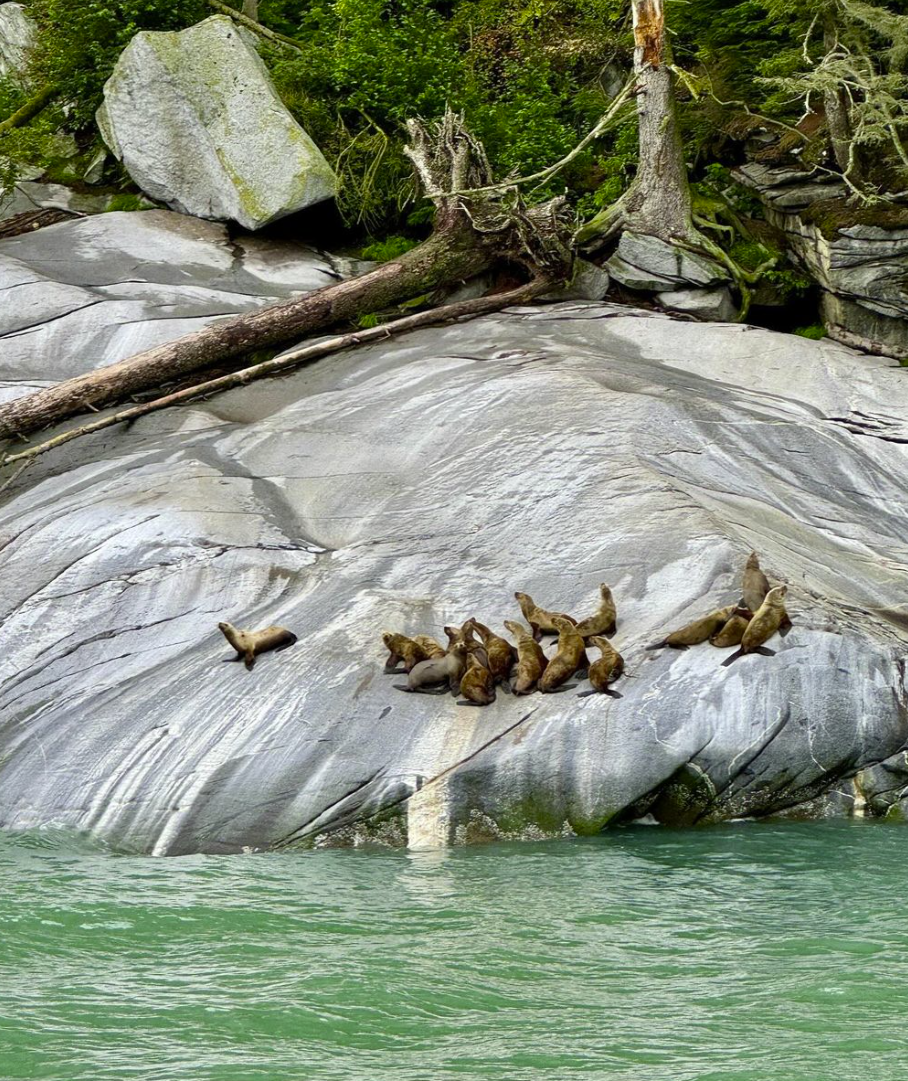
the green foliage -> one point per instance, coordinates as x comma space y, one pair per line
814, 332
126, 201
79, 42
381, 251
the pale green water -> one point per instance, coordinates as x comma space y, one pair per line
770, 952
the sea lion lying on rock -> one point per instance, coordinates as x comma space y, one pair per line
697, 631
531, 661
425, 677
499, 651
604, 621
539, 617
477, 685
402, 648
733, 631
249, 644
768, 618
605, 670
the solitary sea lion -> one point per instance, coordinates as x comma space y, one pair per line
477, 685
540, 617
249, 644
604, 621
733, 631
768, 618
402, 648
499, 651
570, 658
440, 670
606, 670
756, 584
531, 661
692, 634
429, 646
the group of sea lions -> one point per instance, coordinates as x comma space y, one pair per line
476, 660
748, 624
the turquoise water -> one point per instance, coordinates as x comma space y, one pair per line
755, 951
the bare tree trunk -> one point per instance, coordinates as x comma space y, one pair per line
838, 115
470, 236
658, 201
251, 9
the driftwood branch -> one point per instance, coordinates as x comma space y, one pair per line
35, 104
448, 313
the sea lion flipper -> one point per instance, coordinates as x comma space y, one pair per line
464, 702
785, 627
394, 671
586, 694
401, 687
657, 645
233, 660
291, 640
729, 660
562, 688
613, 694
766, 652
249, 660
679, 646
582, 673
505, 686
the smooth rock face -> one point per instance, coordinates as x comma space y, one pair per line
647, 263
862, 270
88, 293
416, 483
196, 121
17, 32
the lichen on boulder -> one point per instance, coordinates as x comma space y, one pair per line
198, 125
17, 33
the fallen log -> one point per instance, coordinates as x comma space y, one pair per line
471, 235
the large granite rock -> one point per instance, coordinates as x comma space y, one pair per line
17, 32
862, 269
196, 121
415, 483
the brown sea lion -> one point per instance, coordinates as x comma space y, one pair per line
249, 644
426, 676
571, 657
477, 685
733, 631
692, 634
402, 648
429, 646
604, 621
531, 661
500, 652
768, 618
605, 670
539, 617
756, 584
464, 635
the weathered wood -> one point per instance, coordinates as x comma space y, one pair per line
447, 256
29, 220
448, 313
35, 104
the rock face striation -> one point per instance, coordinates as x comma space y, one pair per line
17, 32
196, 121
413, 484
862, 269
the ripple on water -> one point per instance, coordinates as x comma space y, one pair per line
738, 953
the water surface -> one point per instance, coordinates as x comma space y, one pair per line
751, 952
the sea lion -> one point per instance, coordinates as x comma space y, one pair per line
439, 670
429, 646
531, 661
605, 670
539, 617
692, 634
249, 644
402, 648
477, 685
768, 618
499, 651
604, 621
464, 636
756, 584
570, 658
733, 631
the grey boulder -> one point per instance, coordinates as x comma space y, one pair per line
712, 304
17, 33
198, 125
414, 483
649, 264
